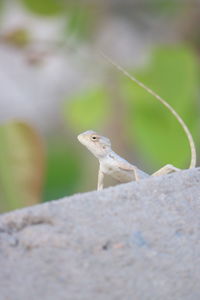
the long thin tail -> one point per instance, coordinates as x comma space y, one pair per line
166, 104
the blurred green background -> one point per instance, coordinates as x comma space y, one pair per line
54, 85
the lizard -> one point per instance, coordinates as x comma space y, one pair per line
117, 167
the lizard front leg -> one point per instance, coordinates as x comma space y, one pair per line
100, 180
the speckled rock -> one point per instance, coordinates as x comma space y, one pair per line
136, 241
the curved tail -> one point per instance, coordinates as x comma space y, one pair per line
166, 104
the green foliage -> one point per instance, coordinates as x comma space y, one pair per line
79, 21
44, 8
21, 166
63, 171
88, 109
173, 75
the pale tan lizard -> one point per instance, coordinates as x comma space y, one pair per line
111, 163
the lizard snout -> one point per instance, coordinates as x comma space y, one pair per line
80, 138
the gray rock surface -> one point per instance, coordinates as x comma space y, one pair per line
136, 241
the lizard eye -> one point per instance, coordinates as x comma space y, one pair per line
94, 137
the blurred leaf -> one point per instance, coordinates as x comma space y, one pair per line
18, 37
88, 109
63, 171
21, 166
173, 75
44, 8
79, 21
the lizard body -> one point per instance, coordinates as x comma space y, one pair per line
110, 163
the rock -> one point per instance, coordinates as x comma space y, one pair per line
135, 241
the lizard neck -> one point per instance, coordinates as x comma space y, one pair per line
106, 155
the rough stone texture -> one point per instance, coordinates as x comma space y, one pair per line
136, 241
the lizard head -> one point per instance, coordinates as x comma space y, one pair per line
99, 145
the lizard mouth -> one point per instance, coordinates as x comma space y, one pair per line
79, 137
82, 138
